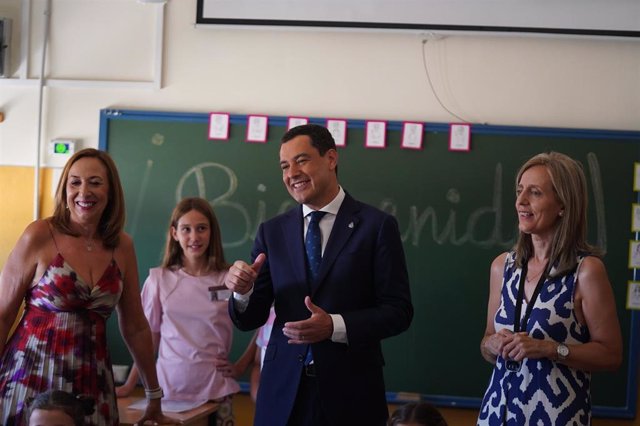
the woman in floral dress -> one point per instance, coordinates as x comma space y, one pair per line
71, 271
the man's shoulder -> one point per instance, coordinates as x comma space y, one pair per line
282, 217
350, 205
364, 209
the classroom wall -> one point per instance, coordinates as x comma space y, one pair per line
506, 80
16, 192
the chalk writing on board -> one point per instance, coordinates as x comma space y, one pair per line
140, 199
598, 199
418, 223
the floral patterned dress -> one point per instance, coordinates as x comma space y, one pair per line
60, 343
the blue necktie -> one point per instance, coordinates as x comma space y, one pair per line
313, 243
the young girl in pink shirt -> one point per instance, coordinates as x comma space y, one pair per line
185, 301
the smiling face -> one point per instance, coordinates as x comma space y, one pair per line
54, 417
193, 233
309, 177
537, 205
87, 190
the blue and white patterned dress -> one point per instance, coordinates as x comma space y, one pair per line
542, 392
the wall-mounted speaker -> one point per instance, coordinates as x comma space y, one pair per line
5, 44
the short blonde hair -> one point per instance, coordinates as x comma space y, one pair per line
570, 188
112, 220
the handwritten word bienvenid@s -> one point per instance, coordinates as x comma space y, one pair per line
416, 223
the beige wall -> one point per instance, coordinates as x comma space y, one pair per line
506, 80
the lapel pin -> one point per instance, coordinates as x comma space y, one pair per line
350, 225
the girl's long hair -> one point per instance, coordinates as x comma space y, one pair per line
173, 252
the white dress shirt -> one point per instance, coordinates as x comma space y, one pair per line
326, 225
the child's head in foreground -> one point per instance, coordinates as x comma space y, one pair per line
417, 414
59, 408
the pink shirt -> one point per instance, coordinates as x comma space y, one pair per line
264, 333
193, 330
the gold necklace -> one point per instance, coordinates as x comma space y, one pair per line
529, 279
534, 277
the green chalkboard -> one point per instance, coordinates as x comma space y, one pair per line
455, 211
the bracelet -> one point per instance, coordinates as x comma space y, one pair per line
156, 393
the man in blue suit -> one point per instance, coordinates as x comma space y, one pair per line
323, 364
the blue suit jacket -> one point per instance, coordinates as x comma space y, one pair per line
363, 277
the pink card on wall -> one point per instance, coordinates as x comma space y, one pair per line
338, 129
460, 137
257, 126
412, 134
297, 121
376, 134
219, 126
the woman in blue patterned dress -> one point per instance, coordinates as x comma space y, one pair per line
551, 317
71, 271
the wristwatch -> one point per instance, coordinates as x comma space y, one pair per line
563, 351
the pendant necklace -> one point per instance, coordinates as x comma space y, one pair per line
529, 279
535, 276
89, 244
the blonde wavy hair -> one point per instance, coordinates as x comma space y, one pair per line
570, 237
